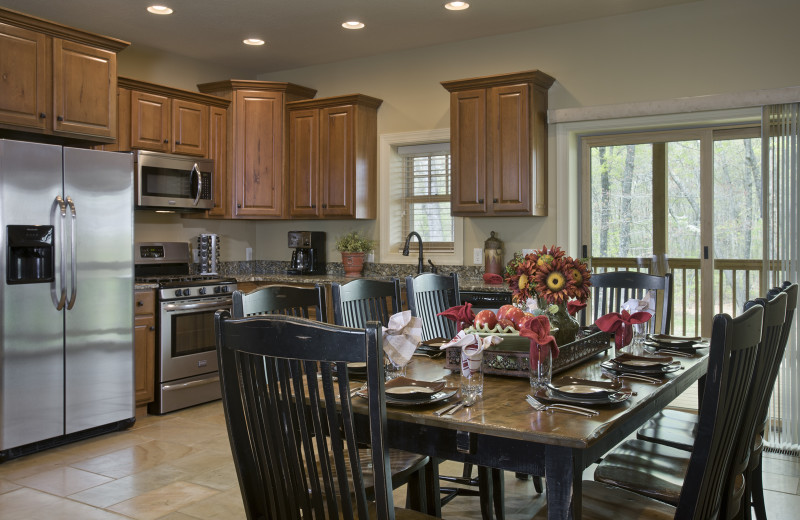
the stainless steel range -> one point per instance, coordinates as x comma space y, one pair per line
186, 348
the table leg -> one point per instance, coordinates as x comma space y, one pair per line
563, 484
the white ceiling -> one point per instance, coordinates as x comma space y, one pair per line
301, 33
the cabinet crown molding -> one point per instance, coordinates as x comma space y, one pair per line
174, 93
336, 101
241, 84
57, 30
535, 77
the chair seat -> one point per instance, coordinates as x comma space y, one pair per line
647, 468
603, 502
673, 428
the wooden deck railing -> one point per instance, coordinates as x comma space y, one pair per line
735, 282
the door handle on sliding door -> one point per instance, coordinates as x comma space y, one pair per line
73, 256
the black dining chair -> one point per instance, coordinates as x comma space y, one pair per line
732, 357
362, 300
291, 422
429, 294
610, 290
303, 302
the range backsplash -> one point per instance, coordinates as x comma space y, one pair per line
266, 267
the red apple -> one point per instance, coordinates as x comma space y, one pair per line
505, 323
526, 318
485, 319
501, 312
515, 315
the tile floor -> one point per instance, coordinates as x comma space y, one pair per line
179, 467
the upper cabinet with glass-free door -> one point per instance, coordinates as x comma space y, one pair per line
498, 128
57, 80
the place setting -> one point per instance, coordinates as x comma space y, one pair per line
675, 345
569, 390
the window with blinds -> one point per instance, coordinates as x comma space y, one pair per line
425, 197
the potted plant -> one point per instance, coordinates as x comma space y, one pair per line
354, 248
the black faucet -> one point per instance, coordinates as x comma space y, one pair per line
405, 249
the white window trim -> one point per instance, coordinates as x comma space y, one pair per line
387, 151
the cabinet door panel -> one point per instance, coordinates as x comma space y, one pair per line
218, 151
84, 89
189, 124
24, 73
337, 161
509, 117
304, 163
468, 124
259, 153
144, 339
149, 121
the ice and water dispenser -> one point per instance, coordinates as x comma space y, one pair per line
30, 254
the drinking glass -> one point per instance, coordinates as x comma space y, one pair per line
541, 369
471, 375
392, 370
637, 344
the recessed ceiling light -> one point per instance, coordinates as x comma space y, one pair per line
353, 25
253, 41
456, 6
159, 9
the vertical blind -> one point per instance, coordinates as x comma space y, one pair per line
425, 195
780, 156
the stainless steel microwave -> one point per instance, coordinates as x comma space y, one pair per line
173, 182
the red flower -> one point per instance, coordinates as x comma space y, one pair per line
461, 314
573, 306
538, 331
621, 325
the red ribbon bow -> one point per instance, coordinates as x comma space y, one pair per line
573, 306
461, 314
622, 325
537, 329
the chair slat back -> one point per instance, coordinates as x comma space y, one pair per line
611, 290
296, 457
429, 294
732, 356
303, 302
360, 301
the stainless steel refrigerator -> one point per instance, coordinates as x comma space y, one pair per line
66, 299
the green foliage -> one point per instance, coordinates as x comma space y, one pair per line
354, 242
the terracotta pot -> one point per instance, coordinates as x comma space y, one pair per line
353, 264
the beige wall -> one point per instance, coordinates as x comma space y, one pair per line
694, 49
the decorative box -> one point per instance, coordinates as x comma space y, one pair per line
510, 357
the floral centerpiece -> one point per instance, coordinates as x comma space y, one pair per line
559, 283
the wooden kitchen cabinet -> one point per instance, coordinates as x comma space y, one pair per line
218, 151
144, 341
333, 157
57, 80
256, 144
498, 143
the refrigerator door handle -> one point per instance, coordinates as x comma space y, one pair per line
59, 302
73, 255
196, 171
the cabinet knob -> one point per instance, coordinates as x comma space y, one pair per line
59, 118
166, 141
313, 206
177, 142
42, 115
480, 201
152, 327
140, 303
239, 206
324, 206
494, 201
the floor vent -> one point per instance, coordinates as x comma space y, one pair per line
794, 452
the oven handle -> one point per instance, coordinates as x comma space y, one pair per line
183, 386
219, 304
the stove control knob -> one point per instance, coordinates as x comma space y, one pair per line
177, 292
217, 289
202, 290
224, 288
186, 292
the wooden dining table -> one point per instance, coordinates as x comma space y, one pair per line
501, 430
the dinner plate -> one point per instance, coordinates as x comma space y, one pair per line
688, 347
581, 390
546, 395
632, 362
426, 399
405, 389
654, 371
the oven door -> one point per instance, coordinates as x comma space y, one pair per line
188, 346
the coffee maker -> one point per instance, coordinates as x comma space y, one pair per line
308, 256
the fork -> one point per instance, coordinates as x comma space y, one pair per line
540, 407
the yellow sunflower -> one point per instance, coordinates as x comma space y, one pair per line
580, 275
553, 282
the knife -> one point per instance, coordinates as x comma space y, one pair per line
443, 410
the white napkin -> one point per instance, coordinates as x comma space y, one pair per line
472, 347
401, 337
646, 304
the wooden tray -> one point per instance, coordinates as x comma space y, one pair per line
511, 358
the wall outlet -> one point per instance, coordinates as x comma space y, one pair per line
477, 256
196, 255
248, 253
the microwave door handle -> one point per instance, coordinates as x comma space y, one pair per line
196, 170
58, 203
73, 255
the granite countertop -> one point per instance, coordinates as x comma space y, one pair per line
464, 284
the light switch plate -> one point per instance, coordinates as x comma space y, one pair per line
477, 256
248, 253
